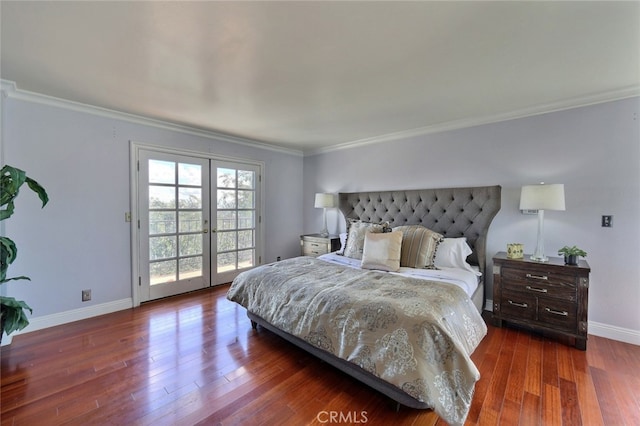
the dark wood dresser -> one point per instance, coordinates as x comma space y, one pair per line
546, 296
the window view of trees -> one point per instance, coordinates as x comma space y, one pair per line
176, 220
175, 231
235, 218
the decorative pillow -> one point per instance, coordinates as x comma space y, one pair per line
419, 246
356, 230
343, 242
453, 253
382, 251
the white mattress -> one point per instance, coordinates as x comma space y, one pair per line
466, 280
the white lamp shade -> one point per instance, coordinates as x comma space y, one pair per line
324, 200
542, 197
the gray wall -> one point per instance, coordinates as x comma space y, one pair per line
594, 151
81, 240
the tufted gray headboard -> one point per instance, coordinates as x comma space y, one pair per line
452, 212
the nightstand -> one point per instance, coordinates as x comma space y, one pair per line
546, 296
316, 244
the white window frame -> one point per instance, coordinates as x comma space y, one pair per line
134, 155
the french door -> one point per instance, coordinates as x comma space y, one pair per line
198, 222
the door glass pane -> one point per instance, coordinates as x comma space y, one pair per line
162, 222
190, 221
226, 199
245, 239
245, 259
162, 197
226, 219
226, 178
245, 179
245, 199
162, 272
190, 244
189, 174
245, 219
190, 267
226, 241
226, 261
190, 198
162, 172
162, 247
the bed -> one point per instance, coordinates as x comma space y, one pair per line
406, 335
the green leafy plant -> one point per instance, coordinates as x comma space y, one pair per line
12, 312
572, 251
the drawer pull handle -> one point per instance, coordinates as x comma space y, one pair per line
538, 277
539, 290
551, 311
520, 305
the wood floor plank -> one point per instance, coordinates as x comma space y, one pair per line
551, 405
530, 412
533, 375
194, 359
569, 400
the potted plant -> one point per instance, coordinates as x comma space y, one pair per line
12, 312
571, 254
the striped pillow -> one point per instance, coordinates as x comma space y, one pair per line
419, 245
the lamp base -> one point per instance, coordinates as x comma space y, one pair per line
325, 230
538, 254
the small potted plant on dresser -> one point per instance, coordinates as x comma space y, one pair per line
571, 254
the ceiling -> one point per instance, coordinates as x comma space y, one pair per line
309, 76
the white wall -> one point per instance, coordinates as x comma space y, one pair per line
594, 151
81, 240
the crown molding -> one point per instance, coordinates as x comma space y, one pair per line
11, 90
577, 102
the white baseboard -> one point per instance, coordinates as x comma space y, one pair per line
47, 321
612, 332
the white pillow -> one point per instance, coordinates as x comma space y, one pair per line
452, 253
382, 251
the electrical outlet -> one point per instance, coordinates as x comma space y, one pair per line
86, 295
607, 221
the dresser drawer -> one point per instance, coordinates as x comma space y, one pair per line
562, 315
540, 283
518, 305
312, 248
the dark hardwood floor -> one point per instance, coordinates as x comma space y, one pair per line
195, 359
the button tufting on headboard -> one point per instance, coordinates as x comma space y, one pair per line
465, 212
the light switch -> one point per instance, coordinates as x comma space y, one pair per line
607, 221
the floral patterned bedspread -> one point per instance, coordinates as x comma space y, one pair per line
417, 335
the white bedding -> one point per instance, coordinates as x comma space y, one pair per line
466, 280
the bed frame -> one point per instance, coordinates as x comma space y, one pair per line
453, 212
